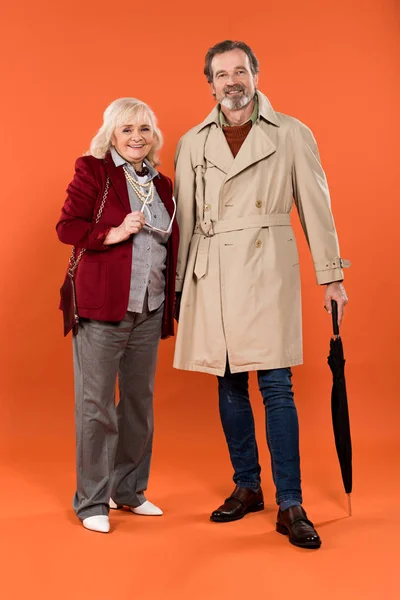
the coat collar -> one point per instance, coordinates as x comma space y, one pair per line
265, 109
256, 146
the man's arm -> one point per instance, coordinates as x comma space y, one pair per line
311, 195
186, 206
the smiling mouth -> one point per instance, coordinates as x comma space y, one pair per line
136, 147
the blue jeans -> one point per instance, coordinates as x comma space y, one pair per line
282, 430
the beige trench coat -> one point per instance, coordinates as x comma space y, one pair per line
238, 265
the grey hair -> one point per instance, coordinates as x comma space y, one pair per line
227, 46
125, 110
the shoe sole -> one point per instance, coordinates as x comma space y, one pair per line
253, 508
284, 531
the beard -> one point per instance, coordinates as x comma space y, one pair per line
236, 103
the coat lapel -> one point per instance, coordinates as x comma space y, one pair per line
217, 150
256, 147
118, 181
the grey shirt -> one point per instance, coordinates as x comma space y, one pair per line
149, 250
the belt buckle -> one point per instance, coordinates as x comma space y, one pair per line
207, 228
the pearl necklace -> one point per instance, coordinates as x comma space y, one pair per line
145, 198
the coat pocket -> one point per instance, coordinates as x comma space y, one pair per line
91, 284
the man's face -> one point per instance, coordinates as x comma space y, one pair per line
233, 83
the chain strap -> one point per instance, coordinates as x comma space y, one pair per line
74, 262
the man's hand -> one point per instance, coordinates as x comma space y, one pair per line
336, 291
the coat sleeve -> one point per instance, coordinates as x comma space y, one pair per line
186, 206
311, 196
76, 225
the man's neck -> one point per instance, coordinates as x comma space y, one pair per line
238, 117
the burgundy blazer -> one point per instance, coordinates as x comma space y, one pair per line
102, 279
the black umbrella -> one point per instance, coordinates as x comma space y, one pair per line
339, 406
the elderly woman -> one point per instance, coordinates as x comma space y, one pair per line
120, 210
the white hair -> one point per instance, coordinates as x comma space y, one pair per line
121, 111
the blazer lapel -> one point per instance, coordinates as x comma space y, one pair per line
117, 178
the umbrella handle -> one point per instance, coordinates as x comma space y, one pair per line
335, 318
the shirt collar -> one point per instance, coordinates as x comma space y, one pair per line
119, 161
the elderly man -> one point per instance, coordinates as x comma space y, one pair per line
238, 282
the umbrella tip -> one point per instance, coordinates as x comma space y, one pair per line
349, 504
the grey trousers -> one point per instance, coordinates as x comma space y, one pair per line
114, 444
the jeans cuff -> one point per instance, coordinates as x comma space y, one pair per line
248, 484
293, 495
288, 503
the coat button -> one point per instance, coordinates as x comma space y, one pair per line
207, 207
259, 204
258, 243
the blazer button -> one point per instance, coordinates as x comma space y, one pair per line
259, 204
258, 243
207, 207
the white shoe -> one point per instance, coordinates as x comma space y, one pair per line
147, 509
97, 523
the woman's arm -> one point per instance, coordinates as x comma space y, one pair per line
76, 226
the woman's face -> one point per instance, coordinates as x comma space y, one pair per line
133, 141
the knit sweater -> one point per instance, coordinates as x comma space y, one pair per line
236, 134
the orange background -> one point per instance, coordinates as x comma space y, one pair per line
332, 65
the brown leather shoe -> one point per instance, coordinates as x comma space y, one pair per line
294, 522
242, 501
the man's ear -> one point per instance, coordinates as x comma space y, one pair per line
255, 79
212, 89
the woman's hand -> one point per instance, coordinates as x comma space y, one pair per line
336, 291
132, 224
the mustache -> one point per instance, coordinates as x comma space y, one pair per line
238, 87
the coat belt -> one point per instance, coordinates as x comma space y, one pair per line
207, 230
